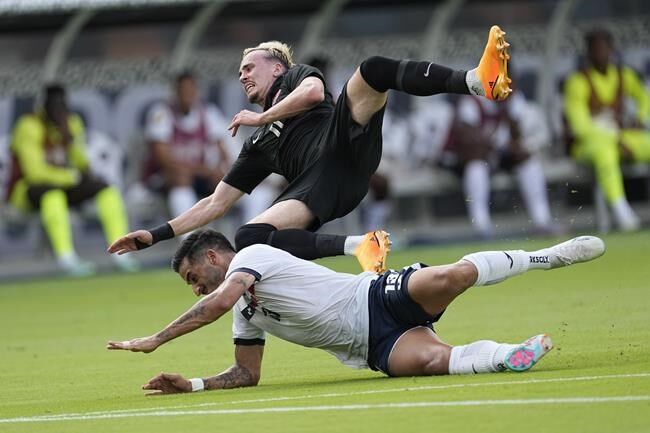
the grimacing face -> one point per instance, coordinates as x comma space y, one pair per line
257, 72
204, 275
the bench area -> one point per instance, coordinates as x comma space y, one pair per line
423, 190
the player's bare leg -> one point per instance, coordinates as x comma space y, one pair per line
363, 101
417, 352
288, 214
420, 352
435, 287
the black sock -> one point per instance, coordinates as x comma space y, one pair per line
414, 78
307, 245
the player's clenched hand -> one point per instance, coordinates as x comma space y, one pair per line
133, 241
143, 344
246, 118
168, 383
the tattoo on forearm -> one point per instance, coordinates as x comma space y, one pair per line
200, 314
171, 330
235, 377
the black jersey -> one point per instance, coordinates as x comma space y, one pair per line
286, 147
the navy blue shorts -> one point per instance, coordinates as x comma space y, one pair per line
392, 313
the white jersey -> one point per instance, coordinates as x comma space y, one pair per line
482, 112
161, 120
304, 303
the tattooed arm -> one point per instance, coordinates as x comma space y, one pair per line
206, 311
245, 372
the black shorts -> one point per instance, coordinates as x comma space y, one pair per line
392, 313
336, 183
86, 189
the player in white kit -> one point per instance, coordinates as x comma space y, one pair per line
383, 322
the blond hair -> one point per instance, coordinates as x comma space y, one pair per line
276, 50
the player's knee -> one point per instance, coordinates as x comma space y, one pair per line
250, 234
379, 72
435, 360
455, 277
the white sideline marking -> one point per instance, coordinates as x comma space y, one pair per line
372, 391
144, 411
350, 407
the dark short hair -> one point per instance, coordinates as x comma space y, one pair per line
598, 34
197, 243
186, 74
53, 91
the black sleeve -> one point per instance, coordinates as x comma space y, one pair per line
295, 75
249, 341
249, 170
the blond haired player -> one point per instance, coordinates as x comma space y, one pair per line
327, 151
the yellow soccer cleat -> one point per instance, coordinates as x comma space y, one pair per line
492, 70
373, 251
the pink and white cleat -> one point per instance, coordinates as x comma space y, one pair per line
524, 356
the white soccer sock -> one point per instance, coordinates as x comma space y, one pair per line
532, 185
495, 266
473, 83
476, 186
181, 198
482, 356
351, 244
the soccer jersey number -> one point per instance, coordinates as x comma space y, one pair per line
250, 310
393, 281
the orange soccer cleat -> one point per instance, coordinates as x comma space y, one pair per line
492, 70
373, 251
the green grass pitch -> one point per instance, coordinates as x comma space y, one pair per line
56, 375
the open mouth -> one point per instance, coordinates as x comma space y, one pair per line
248, 87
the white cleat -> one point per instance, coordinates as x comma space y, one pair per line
576, 250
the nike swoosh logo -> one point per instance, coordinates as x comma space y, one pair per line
474, 370
258, 137
426, 74
512, 262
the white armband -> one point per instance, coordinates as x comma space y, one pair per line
197, 384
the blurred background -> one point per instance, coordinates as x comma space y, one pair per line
119, 58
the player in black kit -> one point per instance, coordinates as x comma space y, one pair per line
327, 151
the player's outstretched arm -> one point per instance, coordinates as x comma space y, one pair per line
245, 372
205, 311
204, 211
